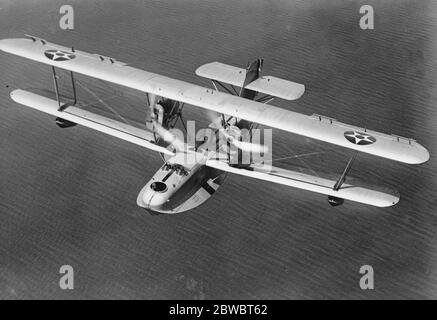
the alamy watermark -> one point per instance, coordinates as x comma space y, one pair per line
367, 281
67, 19
367, 21
66, 282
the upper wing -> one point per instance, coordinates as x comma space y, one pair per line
316, 127
311, 183
273, 86
90, 120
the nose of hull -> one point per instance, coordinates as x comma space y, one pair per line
151, 200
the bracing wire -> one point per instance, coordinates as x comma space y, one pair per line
102, 102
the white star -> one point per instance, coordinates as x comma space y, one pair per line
61, 55
358, 137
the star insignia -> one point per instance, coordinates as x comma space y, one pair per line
59, 55
359, 138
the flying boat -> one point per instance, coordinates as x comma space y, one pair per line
239, 97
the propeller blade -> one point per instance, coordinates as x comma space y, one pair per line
168, 136
244, 145
250, 147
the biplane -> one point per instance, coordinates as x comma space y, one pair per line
239, 97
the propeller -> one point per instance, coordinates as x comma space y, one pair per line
225, 130
168, 136
244, 145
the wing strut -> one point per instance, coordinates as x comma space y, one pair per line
55, 82
74, 87
342, 178
58, 97
215, 83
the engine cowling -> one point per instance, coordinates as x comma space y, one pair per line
62, 123
334, 201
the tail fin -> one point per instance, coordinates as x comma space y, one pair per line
252, 73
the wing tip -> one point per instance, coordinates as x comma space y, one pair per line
10, 45
419, 156
200, 69
300, 90
390, 200
424, 155
5, 44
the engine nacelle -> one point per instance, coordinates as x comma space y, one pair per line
62, 123
334, 201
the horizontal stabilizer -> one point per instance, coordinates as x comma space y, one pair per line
88, 119
276, 87
269, 85
307, 182
223, 73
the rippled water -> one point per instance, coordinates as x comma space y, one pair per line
68, 196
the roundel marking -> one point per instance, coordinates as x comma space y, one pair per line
359, 138
59, 55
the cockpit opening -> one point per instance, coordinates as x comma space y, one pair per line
179, 169
158, 186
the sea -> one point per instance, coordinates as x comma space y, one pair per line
68, 196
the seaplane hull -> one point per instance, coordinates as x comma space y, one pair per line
169, 192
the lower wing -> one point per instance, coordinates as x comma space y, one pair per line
307, 182
88, 119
